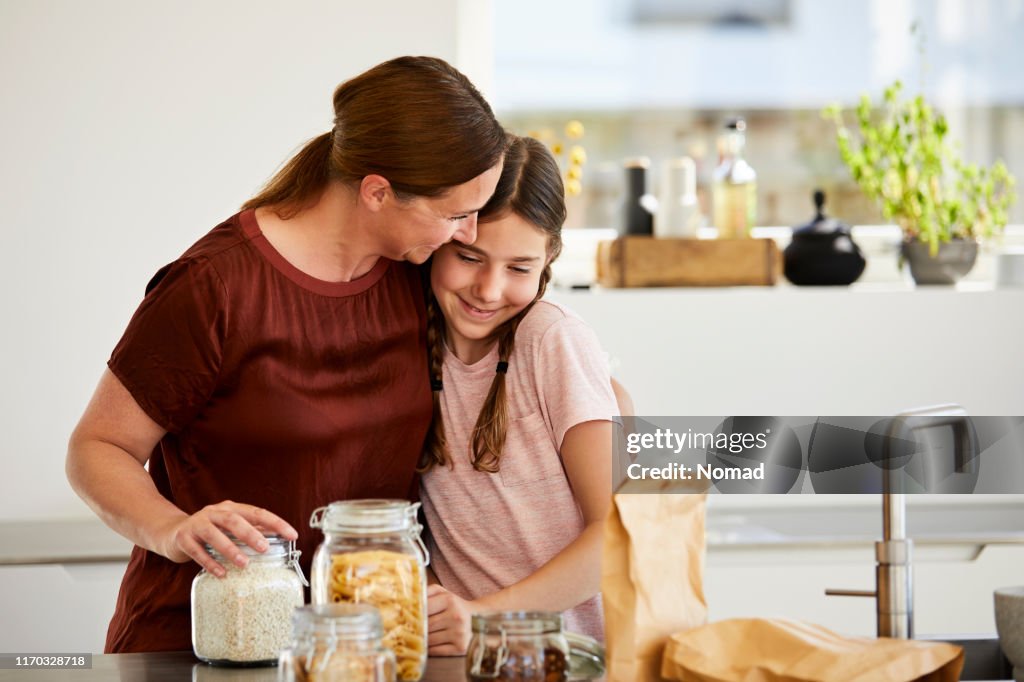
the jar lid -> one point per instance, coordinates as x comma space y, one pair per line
279, 550
277, 546
341, 621
517, 622
366, 516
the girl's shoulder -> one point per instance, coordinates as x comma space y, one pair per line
547, 319
545, 314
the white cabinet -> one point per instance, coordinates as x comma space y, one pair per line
58, 608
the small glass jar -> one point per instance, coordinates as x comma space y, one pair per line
372, 554
337, 642
518, 645
243, 618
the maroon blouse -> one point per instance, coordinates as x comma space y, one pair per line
276, 389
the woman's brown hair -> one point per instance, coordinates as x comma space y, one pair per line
531, 188
416, 121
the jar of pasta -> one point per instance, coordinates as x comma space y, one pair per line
337, 642
243, 618
372, 554
518, 646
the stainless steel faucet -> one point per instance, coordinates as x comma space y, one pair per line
894, 583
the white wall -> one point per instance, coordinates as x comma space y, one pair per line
589, 54
128, 130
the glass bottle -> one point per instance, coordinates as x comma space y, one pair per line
734, 189
337, 643
372, 554
518, 645
242, 618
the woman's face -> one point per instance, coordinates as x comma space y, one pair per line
481, 286
420, 226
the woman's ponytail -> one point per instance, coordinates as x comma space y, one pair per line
299, 183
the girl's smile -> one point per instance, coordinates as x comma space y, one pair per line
473, 311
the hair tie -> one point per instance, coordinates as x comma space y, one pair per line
502, 367
435, 385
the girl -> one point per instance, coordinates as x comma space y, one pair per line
517, 466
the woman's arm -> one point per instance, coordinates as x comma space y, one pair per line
572, 576
105, 465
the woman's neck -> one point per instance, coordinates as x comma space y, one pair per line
327, 240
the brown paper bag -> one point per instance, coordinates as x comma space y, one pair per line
777, 650
652, 579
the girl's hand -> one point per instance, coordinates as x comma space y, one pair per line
188, 537
448, 622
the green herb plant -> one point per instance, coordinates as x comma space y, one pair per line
901, 159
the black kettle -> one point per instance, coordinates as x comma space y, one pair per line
822, 251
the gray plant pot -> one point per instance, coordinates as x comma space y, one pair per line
954, 260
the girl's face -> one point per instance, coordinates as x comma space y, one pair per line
482, 285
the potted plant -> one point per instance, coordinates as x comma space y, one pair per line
901, 159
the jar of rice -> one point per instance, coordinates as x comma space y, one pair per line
372, 554
244, 618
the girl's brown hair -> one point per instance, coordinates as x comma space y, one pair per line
416, 121
531, 188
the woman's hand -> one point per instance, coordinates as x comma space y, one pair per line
187, 537
448, 622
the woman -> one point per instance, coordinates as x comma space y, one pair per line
517, 468
257, 378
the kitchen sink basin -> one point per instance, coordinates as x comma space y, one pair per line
983, 659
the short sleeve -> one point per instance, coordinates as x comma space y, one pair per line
574, 384
169, 357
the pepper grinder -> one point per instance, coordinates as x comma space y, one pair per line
639, 208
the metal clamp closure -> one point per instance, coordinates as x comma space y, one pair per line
292, 561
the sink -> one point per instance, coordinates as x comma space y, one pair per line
983, 659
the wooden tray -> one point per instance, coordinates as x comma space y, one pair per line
651, 262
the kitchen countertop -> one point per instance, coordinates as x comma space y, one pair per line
734, 522
60, 542
182, 665
745, 521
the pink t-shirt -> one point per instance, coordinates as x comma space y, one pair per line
490, 531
